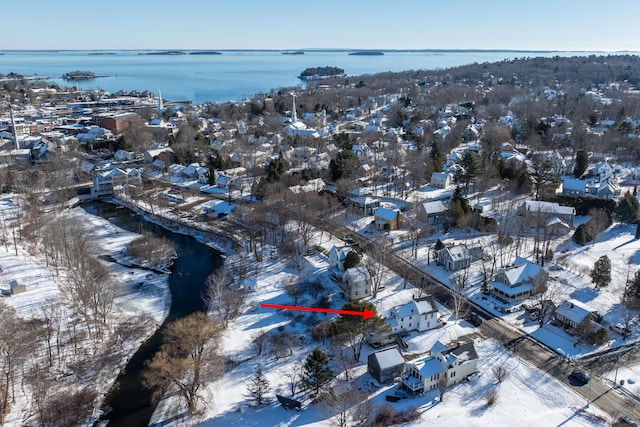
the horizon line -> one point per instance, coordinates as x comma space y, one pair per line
321, 49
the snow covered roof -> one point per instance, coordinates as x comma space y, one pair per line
522, 271
438, 348
509, 290
429, 367
415, 307
389, 358
356, 274
573, 310
548, 207
572, 184
386, 214
434, 207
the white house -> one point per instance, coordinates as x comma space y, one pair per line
417, 315
356, 283
455, 364
458, 257
441, 180
337, 257
105, 181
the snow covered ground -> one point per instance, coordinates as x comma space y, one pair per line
527, 397
142, 294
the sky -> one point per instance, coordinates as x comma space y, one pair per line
571, 25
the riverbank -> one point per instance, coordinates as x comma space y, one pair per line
216, 238
141, 305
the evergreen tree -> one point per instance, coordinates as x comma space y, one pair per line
582, 163
601, 273
258, 386
353, 330
472, 165
276, 169
345, 165
351, 260
628, 209
316, 371
436, 156
633, 286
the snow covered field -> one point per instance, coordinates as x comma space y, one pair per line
141, 294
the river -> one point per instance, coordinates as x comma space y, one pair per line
129, 402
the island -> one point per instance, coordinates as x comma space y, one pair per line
102, 53
295, 52
320, 73
79, 75
164, 52
205, 52
367, 53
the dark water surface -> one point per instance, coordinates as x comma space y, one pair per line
129, 402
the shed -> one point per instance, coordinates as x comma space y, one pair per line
249, 285
17, 287
385, 365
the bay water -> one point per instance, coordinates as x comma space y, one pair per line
232, 75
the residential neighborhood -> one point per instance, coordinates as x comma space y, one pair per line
490, 230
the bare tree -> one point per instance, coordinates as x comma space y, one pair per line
546, 298
17, 342
342, 409
456, 291
293, 374
500, 373
186, 360
375, 265
260, 340
443, 383
293, 288
224, 299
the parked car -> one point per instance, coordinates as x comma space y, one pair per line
621, 329
629, 421
581, 376
475, 319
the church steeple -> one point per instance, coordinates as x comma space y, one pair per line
160, 103
294, 116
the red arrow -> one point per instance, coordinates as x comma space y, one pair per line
366, 313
